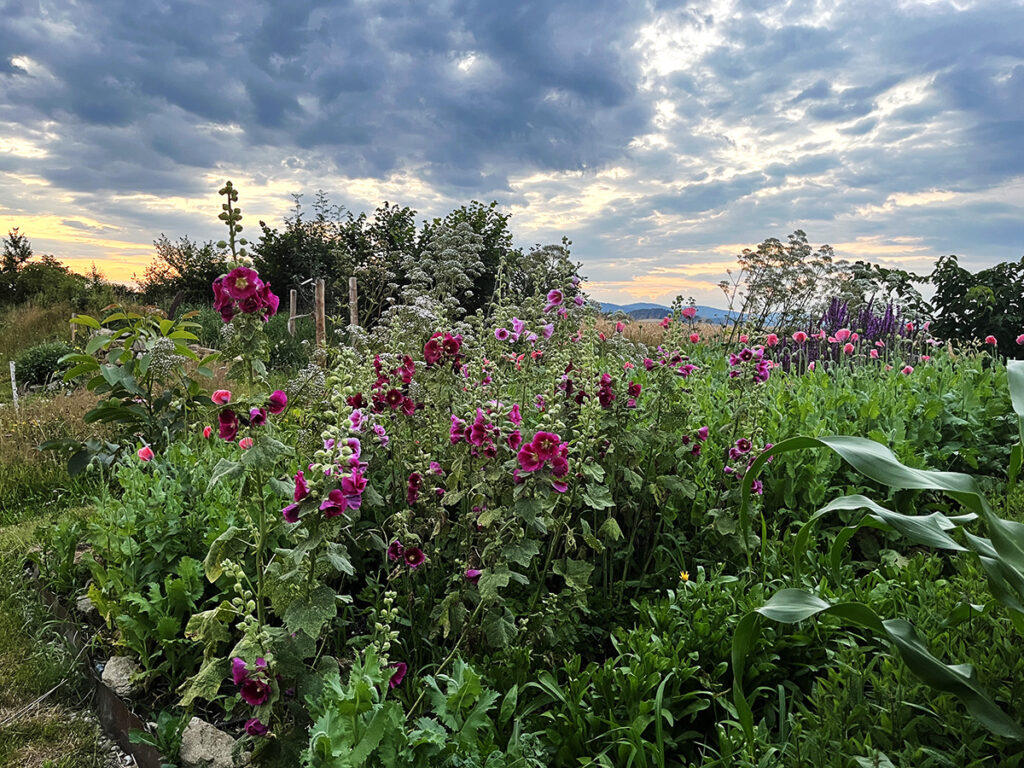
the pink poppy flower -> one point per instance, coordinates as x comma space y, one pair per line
991, 340
771, 340
848, 348
800, 337
665, 321
842, 334
694, 338
907, 370
207, 431
145, 453
221, 396
245, 443
689, 312
874, 354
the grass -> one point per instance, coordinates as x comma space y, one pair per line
34, 658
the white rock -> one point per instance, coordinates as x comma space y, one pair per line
117, 674
203, 746
85, 606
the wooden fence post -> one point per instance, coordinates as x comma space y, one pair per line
353, 301
74, 327
14, 387
321, 315
293, 301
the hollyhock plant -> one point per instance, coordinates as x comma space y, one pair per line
241, 283
473, 575
395, 550
555, 299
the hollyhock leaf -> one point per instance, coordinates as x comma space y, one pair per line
575, 572
593, 471
211, 627
491, 581
597, 497
311, 615
499, 628
337, 556
610, 530
265, 453
488, 516
529, 510
225, 469
522, 552
206, 683
371, 498
281, 487
678, 486
228, 546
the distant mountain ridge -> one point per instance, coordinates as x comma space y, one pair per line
645, 310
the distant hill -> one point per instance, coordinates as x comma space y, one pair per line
644, 310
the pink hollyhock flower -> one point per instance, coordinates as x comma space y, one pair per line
702, 434
501, 334
518, 326
473, 575
270, 301
435, 468
245, 443
414, 557
301, 488
227, 425
907, 370
800, 337
694, 338
579, 301
771, 340
548, 330
221, 396
560, 485
991, 340
254, 727
432, 351
874, 354
529, 460
848, 348
257, 416
145, 453
395, 550
242, 283
555, 299
412, 488
398, 675
239, 673
334, 504
546, 445
689, 312
842, 334
515, 416
277, 402
665, 321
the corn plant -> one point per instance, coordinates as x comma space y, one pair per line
1001, 555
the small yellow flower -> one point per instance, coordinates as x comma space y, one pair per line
684, 575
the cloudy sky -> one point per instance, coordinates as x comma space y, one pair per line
661, 137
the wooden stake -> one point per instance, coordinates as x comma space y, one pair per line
293, 301
14, 387
353, 301
321, 314
74, 327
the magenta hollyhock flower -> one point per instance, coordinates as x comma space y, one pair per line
757, 487
800, 337
842, 334
239, 674
560, 465
501, 334
221, 396
695, 450
395, 550
555, 299
560, 485
579, 301
514, 439
254, 727
548, 330
227, 425
620, 327
648, 363
335, 504
432, 351
245, 443
702, 434
689, 312
412, 488
356, 419
518, 326
473, 575
414, 557
457, 432
746, 355
241, 283
910, 327
255, 692
207, 431
743, 445
290, 513
352, 487
398, 675
257, 416
546, 445
301, 488
408, 406
277, 402
529, 460
269, 301
515, 416
990, 340
145, 453
378, 430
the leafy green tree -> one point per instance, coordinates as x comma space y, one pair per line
973, 306
184, 267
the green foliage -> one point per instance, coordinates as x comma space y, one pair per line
970, 306
42, 363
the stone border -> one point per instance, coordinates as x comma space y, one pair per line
114, 715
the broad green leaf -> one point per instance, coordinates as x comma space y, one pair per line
597, 496
310, 615
225, 469
205, 683
85, 320
228, 546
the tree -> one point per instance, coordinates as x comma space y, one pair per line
184, 267
17, 250
972, 306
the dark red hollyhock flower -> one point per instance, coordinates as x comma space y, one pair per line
395, 550
356, 400
414, 557
227, 425
394, 398
412, 493
634, 389
277, 401
254, 727
451, 344
432, 351
398, 675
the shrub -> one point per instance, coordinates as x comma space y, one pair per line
42, 363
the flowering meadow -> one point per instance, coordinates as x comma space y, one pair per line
519, 537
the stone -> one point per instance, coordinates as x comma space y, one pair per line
117, 675
204, 746
85, 607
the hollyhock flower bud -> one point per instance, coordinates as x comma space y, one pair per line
145, 453
221, 397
